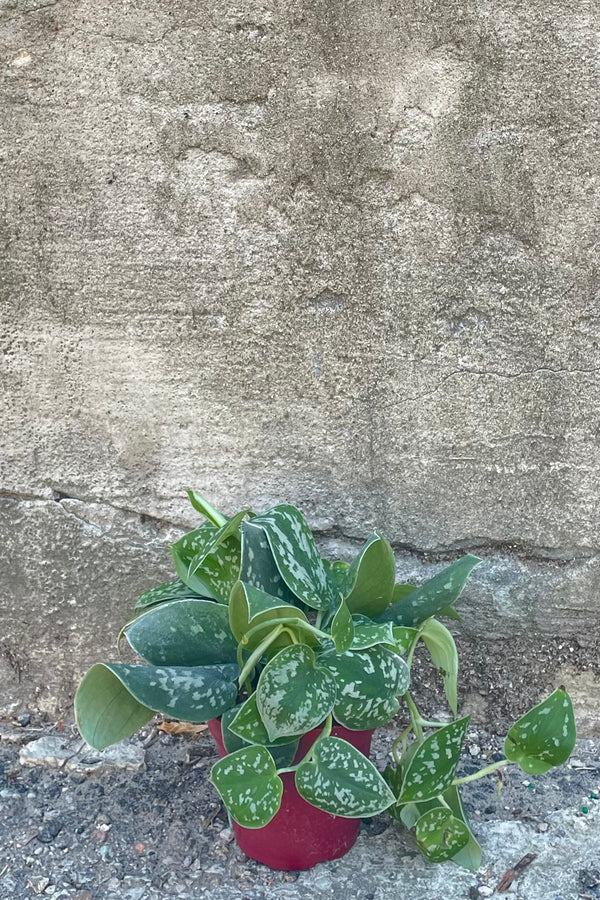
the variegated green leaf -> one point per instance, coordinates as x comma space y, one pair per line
229, 532
190, 693
370, 579
191, 632
250, 607
432, 766
293, 694
183, 552
341, 781
248, 725
470, 855
105, 711
296, 556
369, 681
342, 628
337, 573
440, 835
403, 638
172, 590
427, 600
369, 634
283, 754
248, 782
258, 567
442, 650
544, 737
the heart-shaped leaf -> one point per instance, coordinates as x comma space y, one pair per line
470, 855
248, 782
342, 628
369, 682
440, 835
172, 590
296, 555
341, 781
250, 607
283, 754
191, 632
370, 579
427, 600
190, 693
442, 650
432, 766
293, 694
544, 737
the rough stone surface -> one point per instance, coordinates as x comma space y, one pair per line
77, 756
160, 833
335, 253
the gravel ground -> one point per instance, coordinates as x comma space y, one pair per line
162, 831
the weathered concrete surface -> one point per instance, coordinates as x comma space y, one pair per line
334, 253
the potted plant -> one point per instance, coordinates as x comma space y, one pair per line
293, 661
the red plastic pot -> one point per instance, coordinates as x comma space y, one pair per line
299, 836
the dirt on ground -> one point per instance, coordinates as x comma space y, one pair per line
162, 831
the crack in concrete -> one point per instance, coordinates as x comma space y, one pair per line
477, 545
489, 374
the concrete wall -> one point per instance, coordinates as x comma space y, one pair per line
339, 253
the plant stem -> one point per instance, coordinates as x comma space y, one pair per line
256, 655
288, 620
401, 739
324, 734
482, 772
415, 717
427, 723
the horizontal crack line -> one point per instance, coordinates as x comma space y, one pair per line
481, 546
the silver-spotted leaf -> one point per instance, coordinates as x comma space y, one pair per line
370, 579
544, 737
440, 835
248, 725
341, 780
229, 531
190, 693
192, 632
369, 682
171, 590
442, 650
369, 634
342, 628
220, 561
258, 567
293, 693
296, 556
470, 855
437, 593
249, 785
433, 765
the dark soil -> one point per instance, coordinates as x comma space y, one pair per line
163, 832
